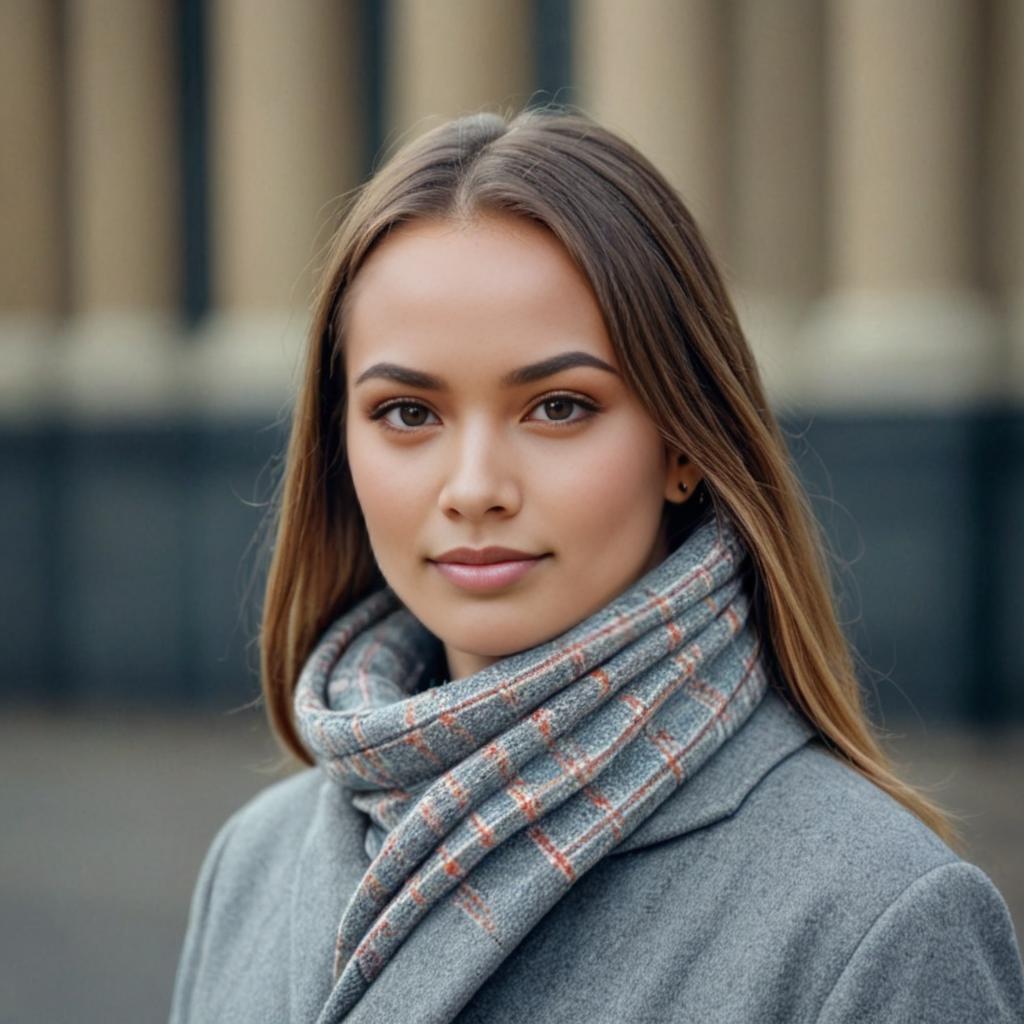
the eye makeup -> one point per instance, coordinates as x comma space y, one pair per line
380, 412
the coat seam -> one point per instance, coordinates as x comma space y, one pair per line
874, 924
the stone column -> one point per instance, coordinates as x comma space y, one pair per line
32, 284
124, 207
287, 142
1005, 212
1004, 452
32, 271
452, 57
656, 72
904, 322
778, 168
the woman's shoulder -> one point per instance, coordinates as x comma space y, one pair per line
259, 839
930, 935
277, 804
247, 877
825, 803
271, 817
826, 835
834, 870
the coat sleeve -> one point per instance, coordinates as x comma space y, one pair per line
194, 948
943, 951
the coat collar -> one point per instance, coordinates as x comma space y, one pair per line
772, 732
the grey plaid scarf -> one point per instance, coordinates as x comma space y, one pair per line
496, 792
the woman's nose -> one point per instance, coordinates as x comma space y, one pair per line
479, 476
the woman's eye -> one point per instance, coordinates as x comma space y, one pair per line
558, 409
408, 415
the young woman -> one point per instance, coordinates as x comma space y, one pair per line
548, 618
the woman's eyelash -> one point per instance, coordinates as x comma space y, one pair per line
382, 410
398, 403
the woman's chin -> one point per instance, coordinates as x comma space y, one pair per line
493, 640
500, 645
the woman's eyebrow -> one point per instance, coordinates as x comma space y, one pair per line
516, 378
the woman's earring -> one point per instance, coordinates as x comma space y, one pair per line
682, 460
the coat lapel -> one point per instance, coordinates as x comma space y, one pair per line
771, 734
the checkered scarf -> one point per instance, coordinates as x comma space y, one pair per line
499, 790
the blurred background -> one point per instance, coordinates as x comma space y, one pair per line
170, 172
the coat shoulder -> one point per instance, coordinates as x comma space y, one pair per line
266, 830
820, 812
944, 950
244, 877
846, 878
276, 809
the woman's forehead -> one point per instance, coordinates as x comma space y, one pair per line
456, 291
444, 259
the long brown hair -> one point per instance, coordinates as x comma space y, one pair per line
682, 351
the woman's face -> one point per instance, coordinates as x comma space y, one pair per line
459, 435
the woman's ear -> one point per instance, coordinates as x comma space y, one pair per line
681, 478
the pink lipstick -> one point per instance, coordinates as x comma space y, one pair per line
485, 569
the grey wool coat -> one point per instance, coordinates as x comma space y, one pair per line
775, 885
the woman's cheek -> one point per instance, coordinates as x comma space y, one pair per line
381, 483
610, 480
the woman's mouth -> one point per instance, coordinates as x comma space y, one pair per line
489, 576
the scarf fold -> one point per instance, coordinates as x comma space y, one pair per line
498, 791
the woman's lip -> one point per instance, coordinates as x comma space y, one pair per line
491, 576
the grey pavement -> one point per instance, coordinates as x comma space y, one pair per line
107, 819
